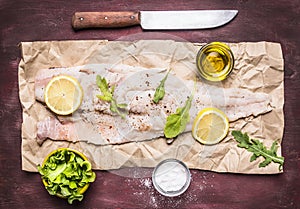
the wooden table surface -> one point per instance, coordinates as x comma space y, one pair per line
260, 20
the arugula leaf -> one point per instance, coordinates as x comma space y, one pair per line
176, 122
107, 95
160, 90
258, 149
66, 173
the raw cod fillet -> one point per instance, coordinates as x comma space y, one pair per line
94, 123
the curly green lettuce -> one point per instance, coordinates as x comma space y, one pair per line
65, 174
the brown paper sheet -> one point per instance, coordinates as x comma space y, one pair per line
258, 67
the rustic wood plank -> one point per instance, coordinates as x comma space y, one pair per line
31, 20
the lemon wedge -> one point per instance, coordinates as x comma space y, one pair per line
210, 126
63, 94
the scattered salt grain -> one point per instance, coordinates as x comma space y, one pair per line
147, 182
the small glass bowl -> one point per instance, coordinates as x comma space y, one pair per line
215, 61
171, 177
81, 190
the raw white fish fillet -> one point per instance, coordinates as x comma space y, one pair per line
94, 123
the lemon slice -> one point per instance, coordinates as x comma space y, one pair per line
210, 126
63, 94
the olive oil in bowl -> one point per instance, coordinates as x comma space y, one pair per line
215, 61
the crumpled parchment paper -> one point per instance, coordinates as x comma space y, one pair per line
258, 67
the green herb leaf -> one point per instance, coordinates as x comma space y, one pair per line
119, 109
105, 98
104, 88
258, 149
176, 122
122, 106
107, 95
160, 90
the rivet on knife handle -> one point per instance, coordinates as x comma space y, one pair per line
82, 20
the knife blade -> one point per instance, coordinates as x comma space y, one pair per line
154, 20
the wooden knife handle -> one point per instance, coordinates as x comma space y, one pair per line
82, 20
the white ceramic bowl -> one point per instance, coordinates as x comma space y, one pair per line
171, 177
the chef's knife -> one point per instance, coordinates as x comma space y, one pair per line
154, 20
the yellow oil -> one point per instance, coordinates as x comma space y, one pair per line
215, 61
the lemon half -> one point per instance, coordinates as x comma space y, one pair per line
63, 94
210, 126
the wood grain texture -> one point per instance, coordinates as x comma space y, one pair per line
81, 20
264, 20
